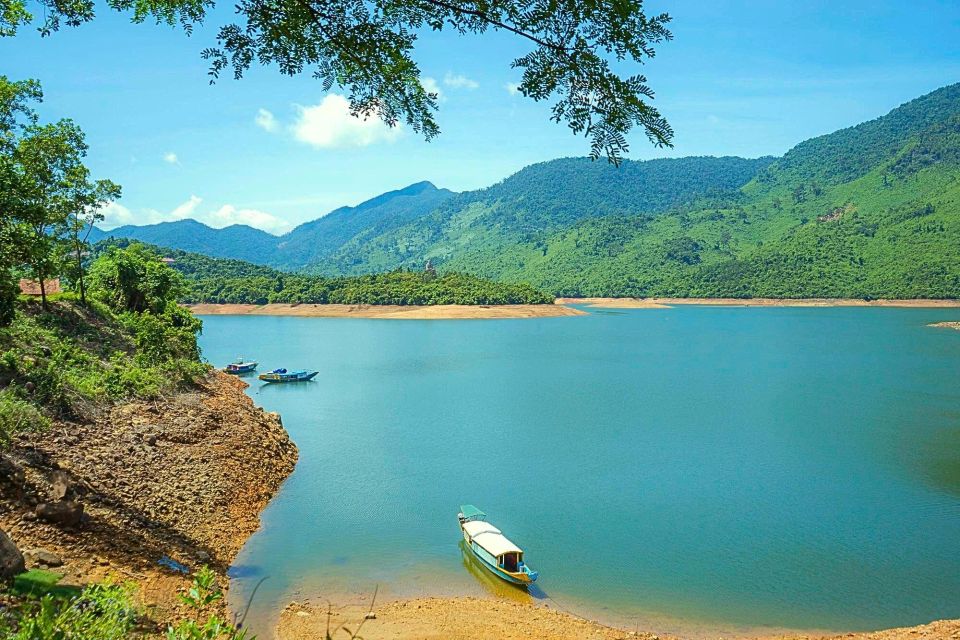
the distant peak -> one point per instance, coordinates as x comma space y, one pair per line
416, 188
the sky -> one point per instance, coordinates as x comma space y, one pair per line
740, 77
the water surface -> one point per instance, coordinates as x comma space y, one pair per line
734, 467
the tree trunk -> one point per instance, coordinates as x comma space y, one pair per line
83, 289
43, 293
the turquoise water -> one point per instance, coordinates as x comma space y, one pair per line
738, 467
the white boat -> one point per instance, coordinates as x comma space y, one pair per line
497, 554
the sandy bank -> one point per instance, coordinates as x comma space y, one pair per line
389, 312
947, 325
659, 303
185, 477
468, 618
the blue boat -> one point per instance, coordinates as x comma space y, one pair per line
497, 554
282, 375
240, 366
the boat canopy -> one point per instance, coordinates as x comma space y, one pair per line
470, 512
489, 537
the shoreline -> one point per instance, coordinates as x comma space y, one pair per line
472, 618
184, 478
390, 312
562, 307
662, 303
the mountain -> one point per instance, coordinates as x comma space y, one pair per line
315, 241
524, 209
305, 245
236, 241
872, 210
868, 211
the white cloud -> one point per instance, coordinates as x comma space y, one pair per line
186, 209
116, 215
459, 81
229, 214
171, 158
512, 88
330, 125
431, 86
266, 121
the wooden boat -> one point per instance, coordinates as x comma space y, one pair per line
282, 375
495, 552
240, 365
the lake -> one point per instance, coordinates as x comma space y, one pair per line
734, 468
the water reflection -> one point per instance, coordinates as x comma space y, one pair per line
494, 585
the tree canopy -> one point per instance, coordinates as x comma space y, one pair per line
366, 49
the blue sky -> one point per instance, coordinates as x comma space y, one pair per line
741, 77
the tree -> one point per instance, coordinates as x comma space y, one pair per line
135, 280
88, 199
366, 48
47, 199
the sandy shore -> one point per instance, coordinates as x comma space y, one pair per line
659, 303
468, 618
390, 312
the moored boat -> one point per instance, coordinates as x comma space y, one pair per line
282, 375
497, 554
240, 365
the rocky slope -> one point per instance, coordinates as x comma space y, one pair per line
182, 479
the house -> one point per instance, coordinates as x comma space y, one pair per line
167, 261
30, 287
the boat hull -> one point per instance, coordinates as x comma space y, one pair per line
522, 579
237, 370
278, 377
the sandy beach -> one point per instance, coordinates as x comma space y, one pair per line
470, 618
660, 303
390, 312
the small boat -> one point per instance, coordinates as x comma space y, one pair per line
282, 375
240, 365
497, 554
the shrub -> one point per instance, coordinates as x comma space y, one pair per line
18, 416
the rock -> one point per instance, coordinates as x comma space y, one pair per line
370, 616
151, 439
62, 485
11, 560
66, 513
42, 556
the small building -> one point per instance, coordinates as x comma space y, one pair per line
166, 260
30, 287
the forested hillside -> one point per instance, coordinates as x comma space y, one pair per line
868, 211
225, 281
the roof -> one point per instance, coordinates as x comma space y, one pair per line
32, 287
470, 512
489, 537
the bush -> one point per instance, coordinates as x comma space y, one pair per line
18, 416
100, 612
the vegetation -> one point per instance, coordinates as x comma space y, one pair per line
367, 50
71, 358
106, 611
236, 282
100, 612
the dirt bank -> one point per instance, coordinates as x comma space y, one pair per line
184, 478
488, 618
389, 312
654, 303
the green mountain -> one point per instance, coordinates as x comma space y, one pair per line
306, 245
868, 211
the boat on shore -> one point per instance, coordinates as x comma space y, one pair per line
240, 365
488, 544
282, 375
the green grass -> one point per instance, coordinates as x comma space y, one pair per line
37, 583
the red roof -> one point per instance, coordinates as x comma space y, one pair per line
32, 287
